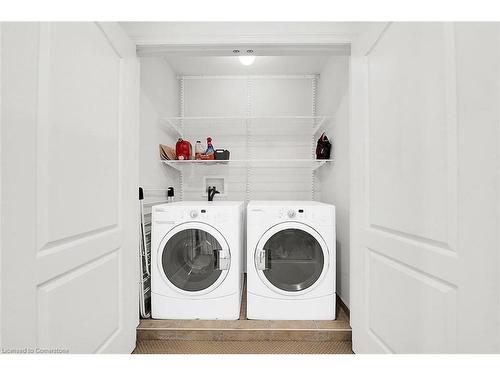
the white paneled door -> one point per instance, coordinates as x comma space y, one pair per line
425, 178
69, 187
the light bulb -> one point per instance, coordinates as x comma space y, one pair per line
247, 59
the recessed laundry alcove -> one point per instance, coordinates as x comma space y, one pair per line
269, 116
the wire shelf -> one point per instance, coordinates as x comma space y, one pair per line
263, 163
181, 125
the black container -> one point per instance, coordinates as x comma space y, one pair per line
221, 154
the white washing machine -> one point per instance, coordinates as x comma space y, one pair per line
290, 260
197, 260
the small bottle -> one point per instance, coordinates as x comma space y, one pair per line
210, 149
198, 150
170, 195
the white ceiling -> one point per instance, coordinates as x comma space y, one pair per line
183, 32
206, 48
230, 65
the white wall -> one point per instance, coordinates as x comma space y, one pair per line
266, 139
333, 180
159, 98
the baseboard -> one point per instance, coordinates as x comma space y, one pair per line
344, 307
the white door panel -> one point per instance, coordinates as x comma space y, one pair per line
410, 311
79, 76
425, 189
409, 144
81, 324
69, 172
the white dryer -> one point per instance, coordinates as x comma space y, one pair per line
290, 260
197, 260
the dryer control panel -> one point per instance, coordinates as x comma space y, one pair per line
295, 213
302, 214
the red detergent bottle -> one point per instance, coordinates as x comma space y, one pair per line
183, 149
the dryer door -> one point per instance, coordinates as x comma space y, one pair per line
194, 258
291, 258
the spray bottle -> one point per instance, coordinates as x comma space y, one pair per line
210, 149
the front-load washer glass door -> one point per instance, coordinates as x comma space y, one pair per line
291, 257
194, 257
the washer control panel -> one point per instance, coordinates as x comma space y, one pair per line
204, 214
191, 214
293, 213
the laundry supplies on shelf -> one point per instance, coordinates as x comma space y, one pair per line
221, 154
209, 153
183, 149
198, 150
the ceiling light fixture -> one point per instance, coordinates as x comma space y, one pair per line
247, 59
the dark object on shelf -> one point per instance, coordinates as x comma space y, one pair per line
323, 147
221, 154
